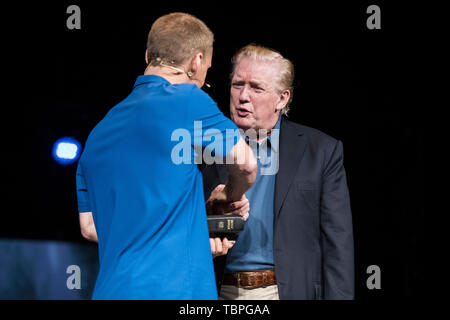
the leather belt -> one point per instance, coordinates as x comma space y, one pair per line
250, 279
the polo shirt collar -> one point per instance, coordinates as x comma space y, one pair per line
148, 78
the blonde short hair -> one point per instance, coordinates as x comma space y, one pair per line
285, 78
176, 37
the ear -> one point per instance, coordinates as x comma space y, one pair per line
283, 100
146, 56
196, 62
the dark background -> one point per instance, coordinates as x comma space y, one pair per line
353, 83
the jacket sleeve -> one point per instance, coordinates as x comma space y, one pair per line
336, 230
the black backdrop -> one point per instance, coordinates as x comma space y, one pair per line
353, 83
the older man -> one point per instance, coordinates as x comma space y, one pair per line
298, 241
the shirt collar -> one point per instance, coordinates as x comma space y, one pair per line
147, 78
272, 140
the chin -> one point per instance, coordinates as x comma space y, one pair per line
243, 124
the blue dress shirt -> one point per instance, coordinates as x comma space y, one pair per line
253, 249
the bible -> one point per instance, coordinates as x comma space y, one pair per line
225, 226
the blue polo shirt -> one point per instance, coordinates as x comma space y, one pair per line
253, 249
146, 192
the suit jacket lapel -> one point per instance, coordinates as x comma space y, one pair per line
292, 147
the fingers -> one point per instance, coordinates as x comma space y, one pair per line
217, 195
216, 246
241, 208
238, 204
219, 247
219, 187
225, 246
213, 246
215, 203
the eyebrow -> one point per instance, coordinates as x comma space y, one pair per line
258, 83
252, 82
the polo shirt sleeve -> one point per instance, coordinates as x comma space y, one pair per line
214, 133
84, 204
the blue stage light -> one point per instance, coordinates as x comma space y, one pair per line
66, 150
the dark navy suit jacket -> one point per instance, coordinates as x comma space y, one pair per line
313, 233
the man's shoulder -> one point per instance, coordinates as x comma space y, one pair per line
192, 91
313, 135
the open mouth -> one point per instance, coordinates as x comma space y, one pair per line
242, 112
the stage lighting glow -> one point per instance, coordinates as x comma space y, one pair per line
66, 150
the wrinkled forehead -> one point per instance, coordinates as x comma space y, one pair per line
256, 70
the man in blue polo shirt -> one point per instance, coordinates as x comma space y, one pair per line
145, 208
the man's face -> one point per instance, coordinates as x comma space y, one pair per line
254, 100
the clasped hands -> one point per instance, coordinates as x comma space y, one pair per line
217, 203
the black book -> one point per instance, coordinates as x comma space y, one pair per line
225, 226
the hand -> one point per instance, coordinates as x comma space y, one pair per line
217, 204
220, 247
217, 200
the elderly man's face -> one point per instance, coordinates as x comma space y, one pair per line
255, 102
